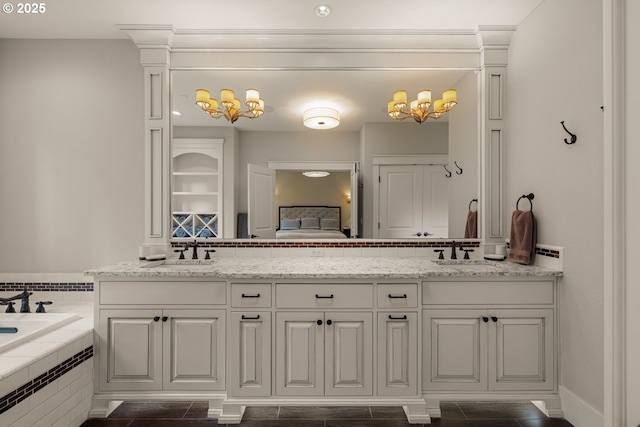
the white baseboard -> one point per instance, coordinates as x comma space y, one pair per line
578, 412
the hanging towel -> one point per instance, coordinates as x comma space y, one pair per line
522, 246
471, 229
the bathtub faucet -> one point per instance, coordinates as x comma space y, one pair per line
23, 296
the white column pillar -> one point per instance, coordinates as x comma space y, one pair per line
494, 46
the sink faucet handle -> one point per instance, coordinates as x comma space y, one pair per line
10, 308
441, 255
181, 252
41, 305
207, 252
466, 252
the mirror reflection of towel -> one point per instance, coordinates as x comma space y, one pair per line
471, 229
522, 245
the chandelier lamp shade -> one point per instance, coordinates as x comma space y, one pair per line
229, 106
419, 109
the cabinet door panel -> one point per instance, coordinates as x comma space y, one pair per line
132, 356
454, 350
521, 344
299, 354
397, 354
194, 345
250, 363
348, 354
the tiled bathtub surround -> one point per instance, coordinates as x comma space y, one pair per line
48, 381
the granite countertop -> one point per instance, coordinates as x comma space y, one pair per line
321, 268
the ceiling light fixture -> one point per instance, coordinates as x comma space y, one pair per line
322, 10
321, 118
229, 106
315, 174
419, 108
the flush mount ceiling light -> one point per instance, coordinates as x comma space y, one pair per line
315, 174
229, 106
321, 118
322, 10
419, 108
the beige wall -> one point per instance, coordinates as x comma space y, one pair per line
71, 154
294, 189
553, 77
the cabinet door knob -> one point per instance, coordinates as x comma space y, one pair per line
319, 322
155, 319
165, 318
485, 319
329, 322
494, 318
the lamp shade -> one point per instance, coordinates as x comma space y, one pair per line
321, 118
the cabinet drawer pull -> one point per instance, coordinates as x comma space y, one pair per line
398, 317
324, 296
398, 296
250, 296
250, 317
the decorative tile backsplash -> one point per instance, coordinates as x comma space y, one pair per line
352, 243
46, 287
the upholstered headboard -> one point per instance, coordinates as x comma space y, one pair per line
322, 212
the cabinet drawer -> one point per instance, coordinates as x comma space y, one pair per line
481, 292
397, 295
152, 293
324, 295
251, 295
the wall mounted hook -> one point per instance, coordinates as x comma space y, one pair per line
448, 174
573, 136
458, 172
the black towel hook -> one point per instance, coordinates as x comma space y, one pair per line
448, 174
472, 200
573, 136
460, 171
528, 197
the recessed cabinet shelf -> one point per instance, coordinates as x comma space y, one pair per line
196, 189
189, 225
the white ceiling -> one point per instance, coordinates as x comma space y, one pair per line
360, 95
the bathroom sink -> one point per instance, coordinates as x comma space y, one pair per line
182, 264
459, 262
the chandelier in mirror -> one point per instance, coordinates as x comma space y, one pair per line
229, 106
419, 108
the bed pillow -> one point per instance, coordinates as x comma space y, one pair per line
310, 223
329, 224
289, 224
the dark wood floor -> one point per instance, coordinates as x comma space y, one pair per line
454, 414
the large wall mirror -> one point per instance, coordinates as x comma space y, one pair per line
366, 136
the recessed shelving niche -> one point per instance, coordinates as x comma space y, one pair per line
196, 188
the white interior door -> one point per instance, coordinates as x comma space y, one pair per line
355, 226
400, 205
262, 218
435, 202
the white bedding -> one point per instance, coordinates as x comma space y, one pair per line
308, 233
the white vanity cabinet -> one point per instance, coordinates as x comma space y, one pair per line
160, 336
488, 335
326, 349
153, 349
